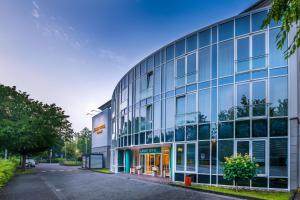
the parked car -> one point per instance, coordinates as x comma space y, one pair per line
30, 163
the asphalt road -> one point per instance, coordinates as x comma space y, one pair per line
52, 181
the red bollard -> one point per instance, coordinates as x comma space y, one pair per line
188, 181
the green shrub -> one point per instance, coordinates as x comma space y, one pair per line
70, 163
7, 170
239, 167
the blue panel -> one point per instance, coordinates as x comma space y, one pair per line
226, 80
259, 74
242, 77
190, 88
279, 71
204, 85
180, 91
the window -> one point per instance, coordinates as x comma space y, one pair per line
149, 117
157, 115
242, 25
180, 110
259, 98
204, 157
191, 104
226, 30
148, 137
191, 68
157, 81
180, 157
242, 54
257, 20
169, 76
225, 130
180, 48
242, 147
150, 63
142, 138
243, 100
278, 127
157, 59
150, 80
204, 38
226, 58
204, 64
191, 132
170, 112
170, 52
204, 132
278, 96
259, 128
276, 55
225, 101
204, 106
191, 43
143, 116
190, 157
242, 129
180, 72
214, 32
180, 133
214, 61
259, 153
278, 156
258, 51
225, 149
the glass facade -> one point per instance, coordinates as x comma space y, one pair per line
217, 92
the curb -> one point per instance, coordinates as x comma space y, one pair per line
214, 192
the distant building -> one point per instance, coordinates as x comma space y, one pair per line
101, 133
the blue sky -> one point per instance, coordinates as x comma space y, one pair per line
73, 52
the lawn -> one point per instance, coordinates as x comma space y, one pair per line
245, 193
103, 170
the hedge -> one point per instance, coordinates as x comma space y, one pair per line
7, 170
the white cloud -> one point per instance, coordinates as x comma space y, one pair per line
35, 5
35, 13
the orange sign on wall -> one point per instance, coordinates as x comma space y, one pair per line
99, 129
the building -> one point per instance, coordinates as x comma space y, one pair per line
221, 90
101, 136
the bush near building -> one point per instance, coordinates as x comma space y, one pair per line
70, 163
7, 170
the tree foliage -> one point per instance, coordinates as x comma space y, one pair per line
239, 167
28, 126
286, 12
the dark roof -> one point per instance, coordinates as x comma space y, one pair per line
258, 4
106, 105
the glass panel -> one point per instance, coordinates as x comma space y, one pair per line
191, 132
180, 72
259, 155
191, 68
170, 52
149, 117
242, 147
278, 96
258, 51
225, 149
214, 61
180, 105
157, 115
257, 20
156, 137
180, 48
180, 157
204, 157
276, 55
242, 129
278, 127
169, 76
204, 106
260, 128
180, 133
190, 157
204, 132
242, 54
191, 103
170, 113
214, 31
243, 100
278, 156
149, 137
204, 64
242, 25
142, 138
226, 30
225, 130
214, 101
157, 81
191, 43
259, 98
204, 38
226, 57
157, 59
226, 104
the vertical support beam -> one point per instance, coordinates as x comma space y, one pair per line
171, 161
127, 160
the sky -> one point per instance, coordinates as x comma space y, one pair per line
74, 52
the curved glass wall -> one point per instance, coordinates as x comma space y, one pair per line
216, 92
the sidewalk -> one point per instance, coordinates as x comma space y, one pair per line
149, 178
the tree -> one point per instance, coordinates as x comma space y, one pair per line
239, 167
287, 12
28, 126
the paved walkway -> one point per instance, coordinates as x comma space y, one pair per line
149, 178
59, 183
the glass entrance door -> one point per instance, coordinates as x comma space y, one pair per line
152, 161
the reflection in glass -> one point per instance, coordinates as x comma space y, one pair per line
257, 20
204, 64
242, 129
225, 101
225, 130
259, 128
276, 55
169, 76
226, 30
259, 154
180, 72
242, 147
278, 127
204, 106
180, 157
259, 98
204, 38
225, 149
242, 54
170, 52
190, 157
204, 132
243, 100
226, 55
180, 48
179, 133
191, 68
278, 96
191, 43
242, 25
278, 156
157, 81
258, 51
170, 112
204, 157
157, 115
191, 132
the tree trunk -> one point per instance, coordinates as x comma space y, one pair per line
236, 184
23, 162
